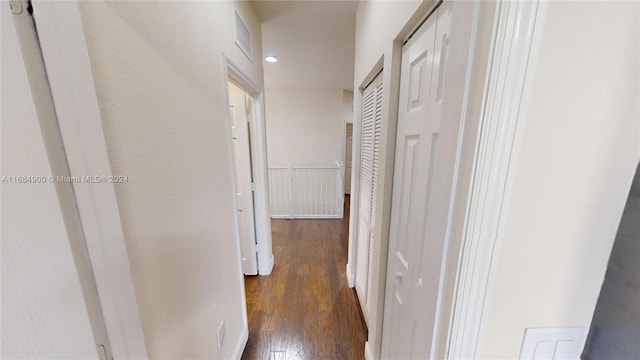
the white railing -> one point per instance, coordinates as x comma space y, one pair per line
307, 191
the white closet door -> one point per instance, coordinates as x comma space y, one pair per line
369, 158
44, 313
421, 194
375, 163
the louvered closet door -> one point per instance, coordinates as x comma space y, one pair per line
369, 160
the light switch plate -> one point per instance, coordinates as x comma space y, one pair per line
551, 343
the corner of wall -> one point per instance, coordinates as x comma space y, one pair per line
242, 342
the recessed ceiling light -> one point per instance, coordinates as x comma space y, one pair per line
271, 59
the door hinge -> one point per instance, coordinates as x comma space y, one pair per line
253, 186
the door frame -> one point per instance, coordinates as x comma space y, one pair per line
484, 184
66, 57
259, 167
463, 34
515, 44
240, 177
503, 80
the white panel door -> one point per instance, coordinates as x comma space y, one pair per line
44, 312
421, 190
242, 161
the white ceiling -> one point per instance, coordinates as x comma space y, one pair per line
314, 41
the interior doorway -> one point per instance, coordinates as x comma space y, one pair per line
240, 105
348, 158
248, 151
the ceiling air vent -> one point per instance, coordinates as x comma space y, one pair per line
243, 36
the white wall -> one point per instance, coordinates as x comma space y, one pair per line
380, 28
347, 106
159, 77
304, 127
579, 151
43, 313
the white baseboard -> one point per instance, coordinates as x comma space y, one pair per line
368, 354
242, 342
351, 279
269, 266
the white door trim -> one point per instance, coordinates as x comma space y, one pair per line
66, 58
516, 40
259, 165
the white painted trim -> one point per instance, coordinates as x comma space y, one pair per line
351, 279
467, 13
354, 203
368, 353
266, 260
248, 86
517, 29
362, 302
242, 343
228, 75
262, 212
66, 58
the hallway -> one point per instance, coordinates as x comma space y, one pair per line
304, 309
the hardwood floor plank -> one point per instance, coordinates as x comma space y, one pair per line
304, 309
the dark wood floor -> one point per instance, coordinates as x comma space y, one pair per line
304, 309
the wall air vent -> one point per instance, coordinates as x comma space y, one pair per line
243, 36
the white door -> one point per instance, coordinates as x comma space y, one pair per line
369, 156
238, 108
348, 160
46, 313
421, 191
